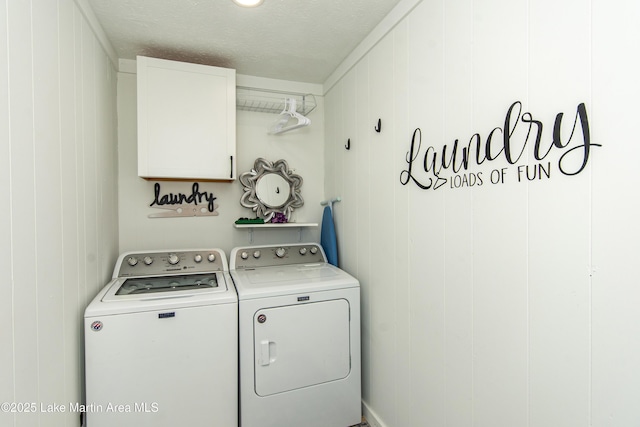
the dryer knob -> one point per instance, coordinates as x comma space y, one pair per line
244, 255
197, 258
211, 257
303, 251
148, 260
314, 250
281, 252
173, 259
256, 254
132, 261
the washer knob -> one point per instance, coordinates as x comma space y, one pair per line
281, 252
303, 251
197, 258
256, 254
244, 255
314, 250
173, 259
132, 261
148, 260
211, 257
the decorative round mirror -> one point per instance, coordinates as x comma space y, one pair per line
271, 188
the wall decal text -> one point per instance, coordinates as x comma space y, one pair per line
457, 165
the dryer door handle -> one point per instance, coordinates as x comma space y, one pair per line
267, 352
265, 357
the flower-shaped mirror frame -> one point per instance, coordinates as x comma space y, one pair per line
255, 189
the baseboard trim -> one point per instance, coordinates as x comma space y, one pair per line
371, 417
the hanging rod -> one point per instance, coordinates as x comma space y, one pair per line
272, 101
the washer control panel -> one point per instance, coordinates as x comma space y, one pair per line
165, 263
265, 256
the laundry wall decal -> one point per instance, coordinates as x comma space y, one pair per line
566, 151
196, 203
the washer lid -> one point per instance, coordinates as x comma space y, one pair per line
147, 285
146, 288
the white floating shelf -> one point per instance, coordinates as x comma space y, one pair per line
298, 225
277, 225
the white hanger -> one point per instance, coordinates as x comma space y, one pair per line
289, 112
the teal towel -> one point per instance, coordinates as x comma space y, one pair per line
328, 237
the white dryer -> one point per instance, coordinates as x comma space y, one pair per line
161, 343
299, 338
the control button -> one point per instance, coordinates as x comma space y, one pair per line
132, 261
314, 250
281, 252
148, 260
197, 258
211, 257
303, 251
244, 255
256, 254
173, 259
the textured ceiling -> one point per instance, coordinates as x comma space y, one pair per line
299, 40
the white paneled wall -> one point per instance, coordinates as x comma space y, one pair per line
59, 219
614, 293
498, 305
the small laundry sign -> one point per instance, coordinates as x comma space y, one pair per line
196, 203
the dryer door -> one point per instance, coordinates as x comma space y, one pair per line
301, 345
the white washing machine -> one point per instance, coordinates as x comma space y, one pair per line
299, 338
161, 344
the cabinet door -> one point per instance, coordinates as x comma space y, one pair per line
186, 120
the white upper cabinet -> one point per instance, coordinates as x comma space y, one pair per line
186, 120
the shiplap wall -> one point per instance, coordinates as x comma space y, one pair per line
502, 305
58, 171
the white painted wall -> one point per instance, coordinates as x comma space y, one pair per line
302, 149
511, 304
59, 216
502, 305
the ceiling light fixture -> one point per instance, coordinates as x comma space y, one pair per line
248, 3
